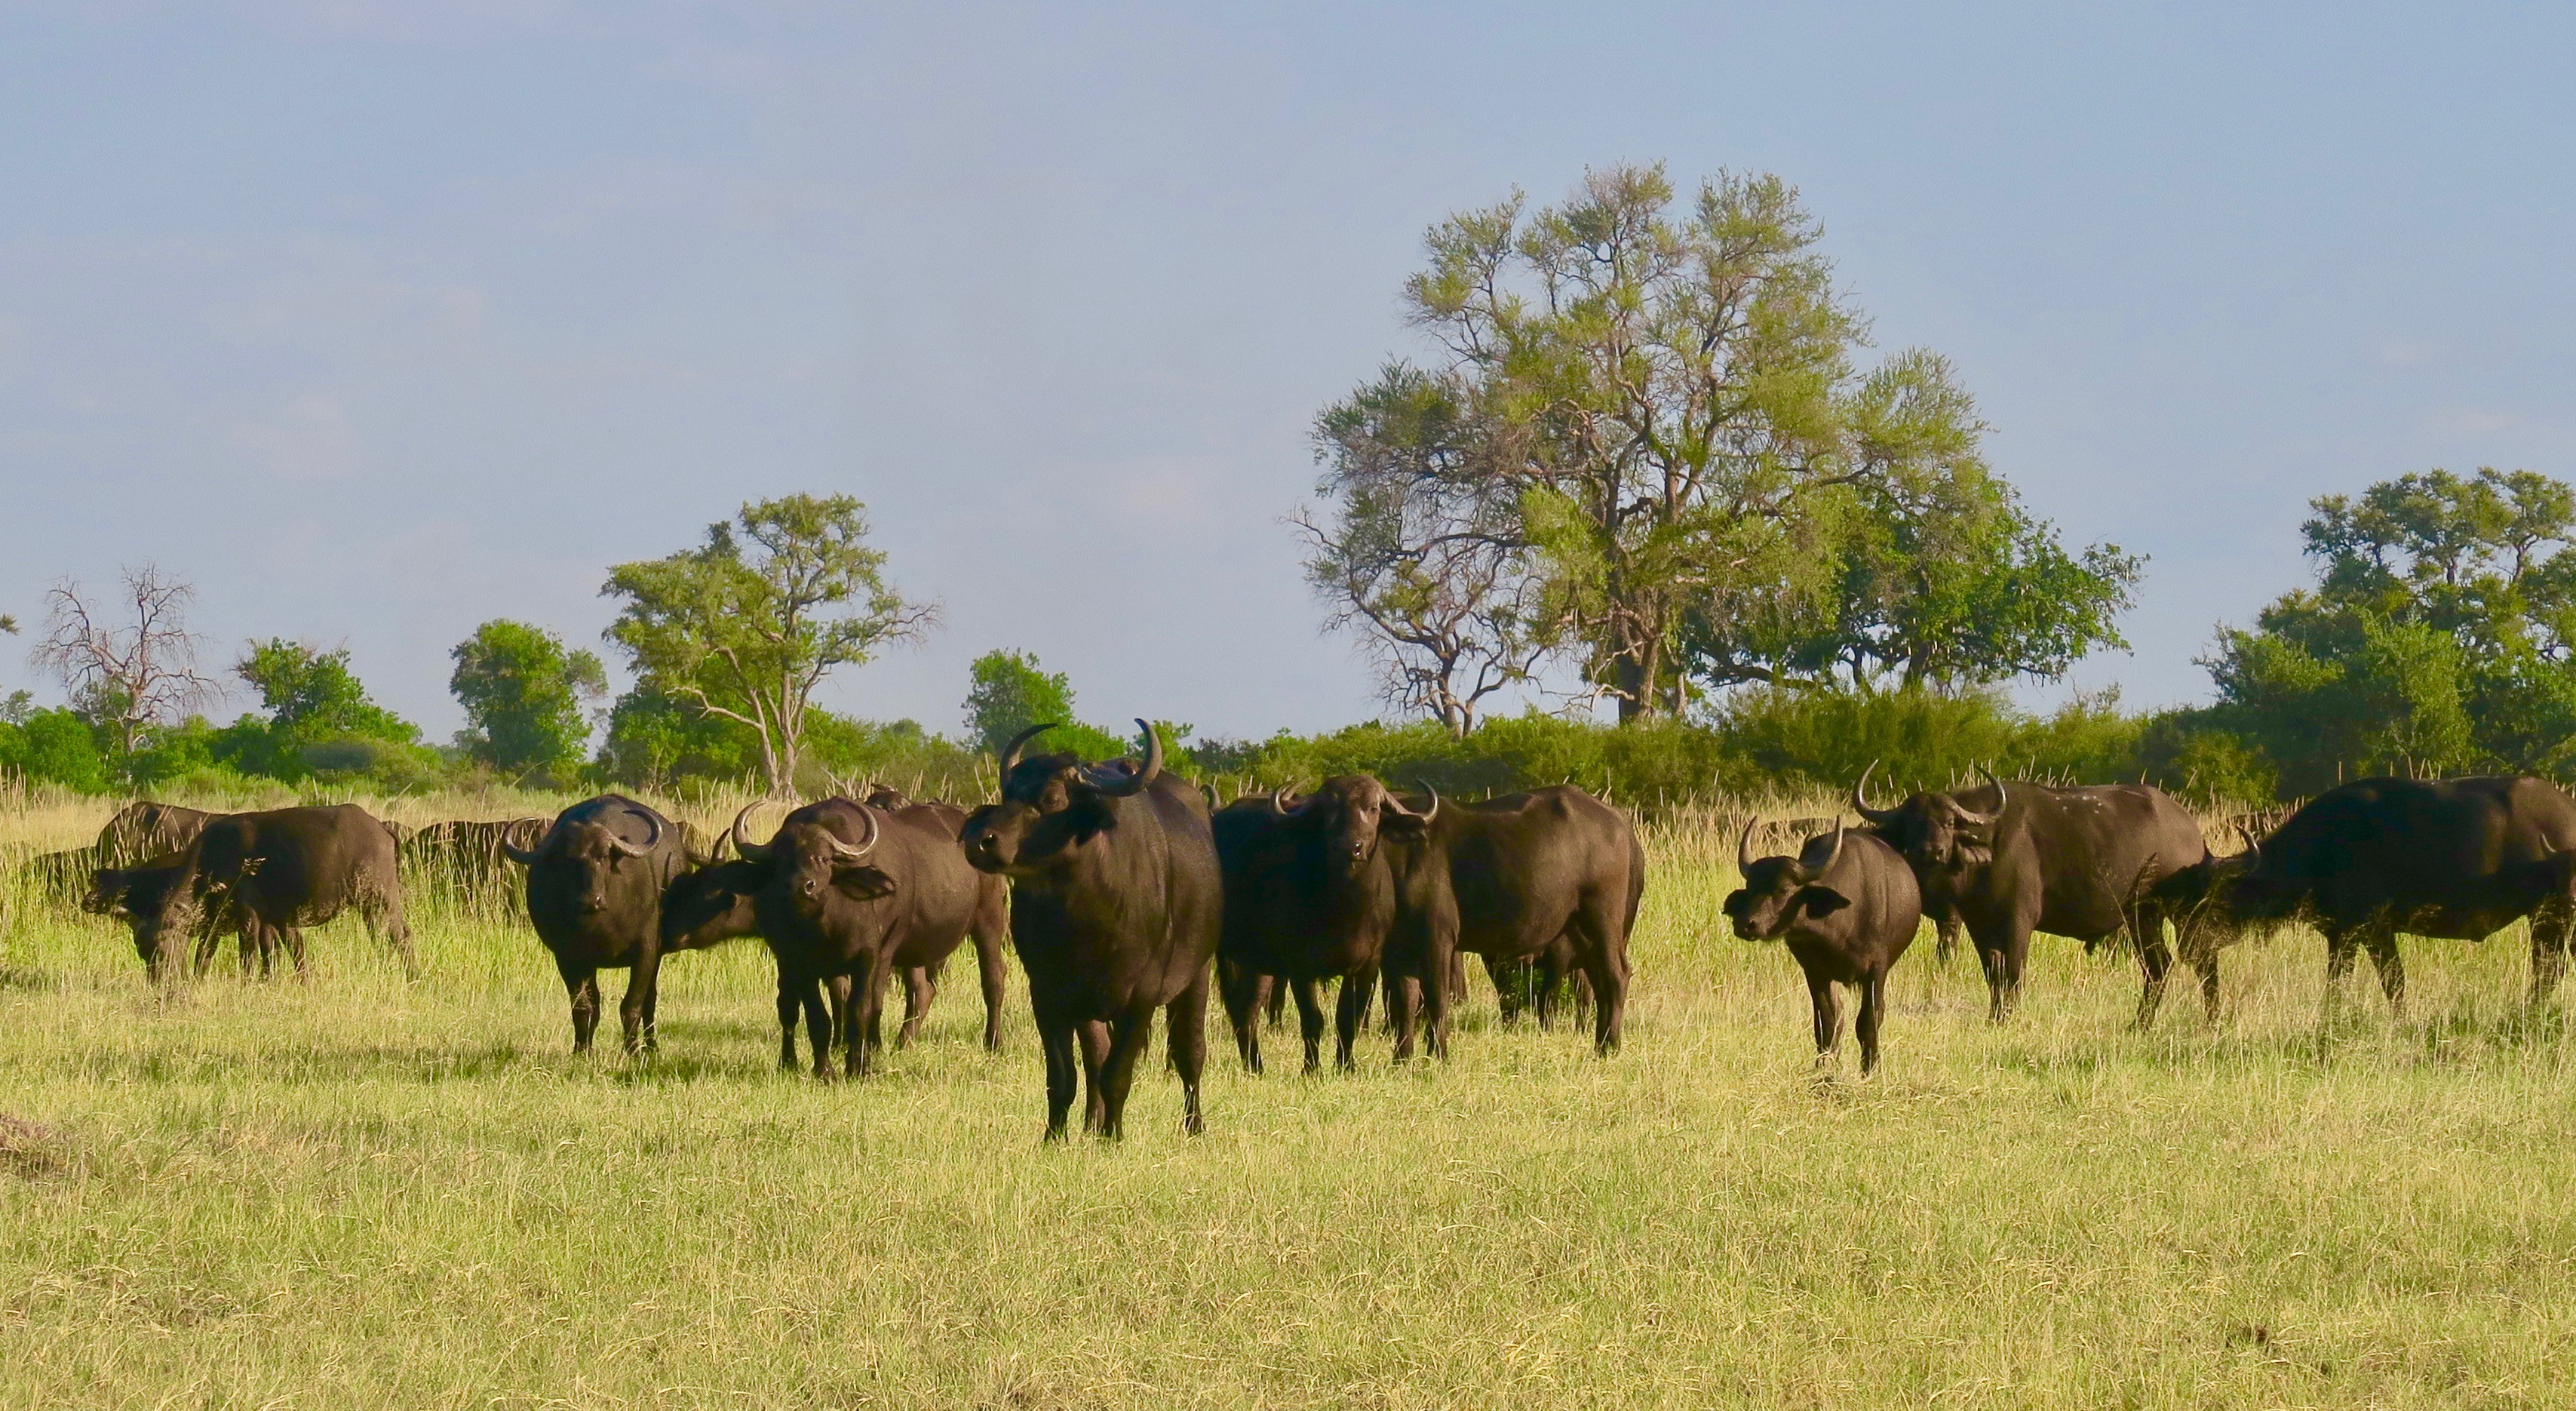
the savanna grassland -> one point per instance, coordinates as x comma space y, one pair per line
361, 1192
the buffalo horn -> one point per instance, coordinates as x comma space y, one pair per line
651, 821
1860, 798
1982, 819
528, 857
1279, 803
1836, 854
1744, 847
844, 851
1011, 751
1116, 782
1425, 815
751, 851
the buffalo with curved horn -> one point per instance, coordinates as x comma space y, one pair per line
848, 895
1115, 908
2077, 862
1846, 916
595, 883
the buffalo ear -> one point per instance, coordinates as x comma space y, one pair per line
862, 883
1822, 901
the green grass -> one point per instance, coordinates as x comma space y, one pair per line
354, 1192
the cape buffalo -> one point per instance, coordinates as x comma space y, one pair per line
1848, 907
847, 895
143, 830
595, 883
1309, 896
285, 869
2081, 863
1508, 879
137, 894
1116, 901
2457, 859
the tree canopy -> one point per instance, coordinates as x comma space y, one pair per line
1649, 449
747, 624
524, 696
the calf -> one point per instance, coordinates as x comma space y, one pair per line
1847, 906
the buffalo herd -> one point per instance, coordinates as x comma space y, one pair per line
1125, 890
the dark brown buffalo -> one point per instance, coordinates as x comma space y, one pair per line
137, 894
143, 830
285, 869
1309, 897
472, 852
2455, 859
2081, 863
595, 883
1116, 901
1848, 907
1508, 879
846, 896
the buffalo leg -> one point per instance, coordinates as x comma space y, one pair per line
581, 984
993, 969
1873, 1007
384, 916
1403, 1003
1828, 1014
920, 988
1097, 1037
2341, 946
2549, 927
1439, 977
1601, 926
2155, 963
1185, 1028
1244, 992
791, 1004
1278, 1006
632, 1011
2381, 942
1310, 1018
293, 938
1945, 935
866, 1044
1511, 988
1350, 1015
1055, 1037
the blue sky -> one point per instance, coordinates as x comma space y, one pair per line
377, 321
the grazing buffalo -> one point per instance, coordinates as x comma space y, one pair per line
143, 830
595, 883
1510, 879
848, 895
280, 871
2081, 863
1309, 896
137, 894
1116, 901
472, 851
1848, 907
2456, 859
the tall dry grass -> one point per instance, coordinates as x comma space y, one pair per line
358, 1192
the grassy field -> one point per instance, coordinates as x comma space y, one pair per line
357, 1192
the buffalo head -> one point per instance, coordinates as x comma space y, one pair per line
1777, 891
1052, 805
1934, 832
1350, 812
591, 851
805, 861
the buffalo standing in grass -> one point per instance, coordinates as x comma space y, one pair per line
595, 883
137, 894
1116, 901
2082, 863
1309, 896
1510, 879
144, 830
848, 895
280, 871
2457, 859
1847, 907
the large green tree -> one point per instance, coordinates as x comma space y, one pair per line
747, 624
320, 719
2440, 635
525, 695
1650, 447
1009, 693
